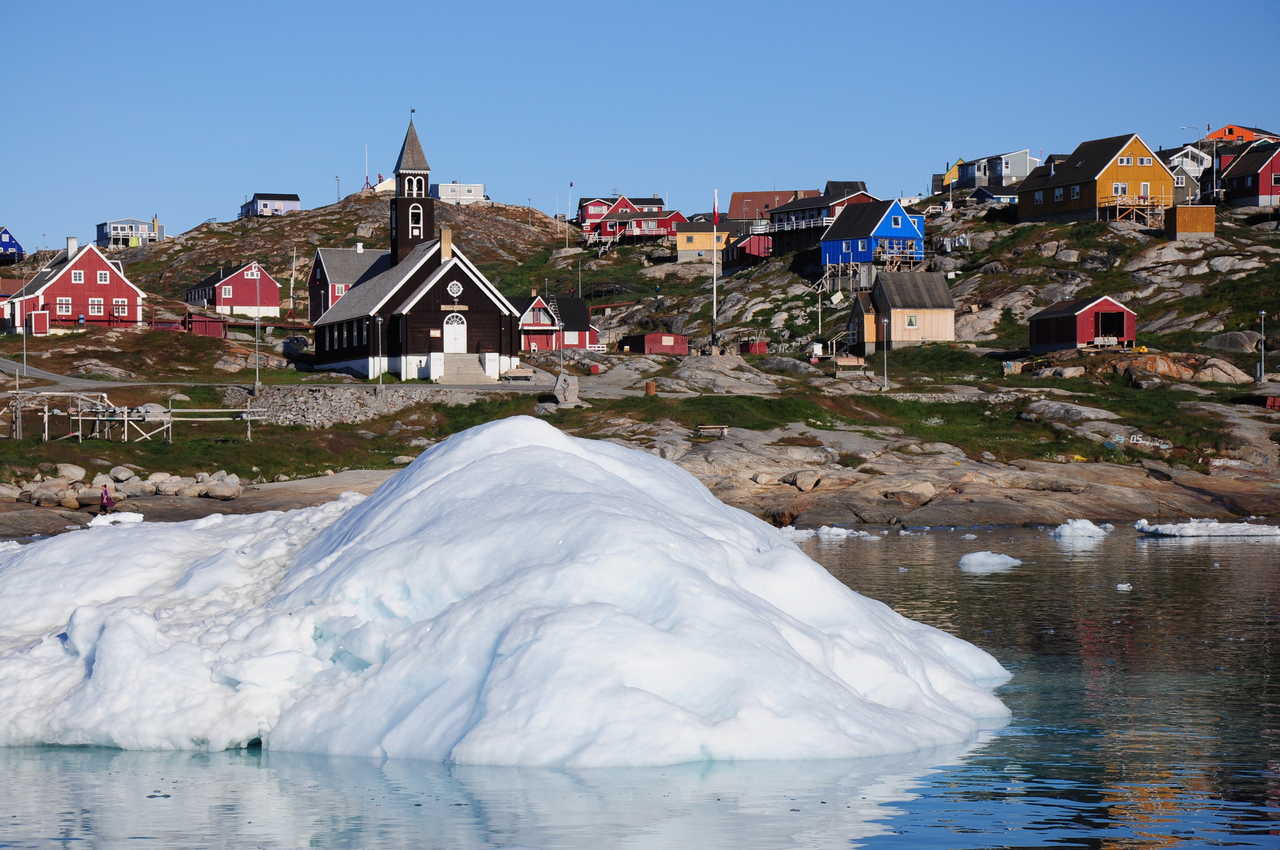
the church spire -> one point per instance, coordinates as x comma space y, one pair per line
413, 216
411, 156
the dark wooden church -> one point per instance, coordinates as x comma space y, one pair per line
431, 314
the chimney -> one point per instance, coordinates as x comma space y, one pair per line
73, 245
446, 244
533, 293
359, 247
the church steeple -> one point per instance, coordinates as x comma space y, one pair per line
413, 215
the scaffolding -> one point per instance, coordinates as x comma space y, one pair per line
1146, 210
93, 416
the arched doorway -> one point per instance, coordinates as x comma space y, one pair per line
455, 334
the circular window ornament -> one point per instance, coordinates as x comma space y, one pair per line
454, 290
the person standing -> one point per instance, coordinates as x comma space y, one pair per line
106, 504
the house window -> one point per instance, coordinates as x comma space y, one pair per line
226, 292
913, 321
570, 337
104, 277
1119, 188
845, 246
862, 244
1075, 192
120, 306
1144, 160
688, 240
64, 306
1057, 194
1125, 160
1248, 180
1038, 198
77, 277
1275, 179
95, 306
339, 290
1179, 181
251, 272
896, 221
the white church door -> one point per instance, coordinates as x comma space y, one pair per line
455, 334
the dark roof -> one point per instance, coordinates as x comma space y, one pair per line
1002, 191
569, 310
47, 273
1069, 308
217, 277
726, 225
632, 216
348, 266
918, 290
361, 300
1082, 165
613, 199
837, 189
1252, 160
274, 196
856, 221
411, 156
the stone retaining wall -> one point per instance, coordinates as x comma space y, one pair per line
320, 407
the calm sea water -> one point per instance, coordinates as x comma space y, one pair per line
1147, 718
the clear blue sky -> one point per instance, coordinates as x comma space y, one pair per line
139, 108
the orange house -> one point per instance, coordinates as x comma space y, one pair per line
1239, 133
1103, 179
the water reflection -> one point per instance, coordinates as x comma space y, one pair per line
63, 795
1140, 719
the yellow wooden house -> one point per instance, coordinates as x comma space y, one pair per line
1117, 178
699, 241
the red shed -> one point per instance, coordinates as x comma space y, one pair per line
655, 343
755, 346
78, 286
1076, 324
206, 325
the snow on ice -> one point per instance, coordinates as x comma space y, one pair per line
981, 563
515, 596
1207, 528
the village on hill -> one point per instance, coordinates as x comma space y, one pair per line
816, 352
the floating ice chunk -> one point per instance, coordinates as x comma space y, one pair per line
121, 518
1124, 587
1207, 528
968, 537
790, 532
981, 563
1081, 528
513, 596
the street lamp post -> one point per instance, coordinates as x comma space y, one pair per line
377, 327
257, 319
1262, 354
884, 340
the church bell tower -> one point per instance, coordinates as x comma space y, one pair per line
413, 212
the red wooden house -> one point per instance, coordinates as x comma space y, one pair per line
1077, 324
78, 286
554, 322
655, 343
592, 210
1252, 177
247, 291
637, 225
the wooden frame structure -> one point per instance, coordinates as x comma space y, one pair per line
93, 416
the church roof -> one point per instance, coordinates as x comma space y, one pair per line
411, 156
363, 299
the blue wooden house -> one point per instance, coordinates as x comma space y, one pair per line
10, 250
878, 232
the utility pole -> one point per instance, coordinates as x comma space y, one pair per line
1262, 355
338, 182
579, 277
715, 278
257, 321
293, 264
884, 340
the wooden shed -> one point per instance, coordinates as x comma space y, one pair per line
1189, 221
206, 325
655, 343
1078, 324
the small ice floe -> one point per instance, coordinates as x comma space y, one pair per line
1081, 528
1124, 587
121, 518
968, 537
825, 532
981, 563
1207, 528
792, 533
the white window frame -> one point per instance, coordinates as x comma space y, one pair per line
895, 221
228, 291
862, 244
95, 307
339, 290
913, 321
252, 273
104, 277
120, 307
1124, 160
1119, 189
1144, 160
1057, 194
63, 306
1179, 181
77, 276
1075, 192
1275, 179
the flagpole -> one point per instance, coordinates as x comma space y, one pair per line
715, 280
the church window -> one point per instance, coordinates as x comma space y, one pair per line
415, 221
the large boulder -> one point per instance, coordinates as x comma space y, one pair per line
1219, 371
1060, 411
224, 490
121, 473
137, 487
1243, 342
71, 472
9, 493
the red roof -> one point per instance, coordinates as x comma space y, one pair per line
750, 205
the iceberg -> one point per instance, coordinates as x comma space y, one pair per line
515, 596
1207, 528
982, 563
1075, 529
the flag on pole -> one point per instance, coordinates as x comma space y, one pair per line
715, 207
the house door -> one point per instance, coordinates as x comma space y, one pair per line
1146, 190
455, 334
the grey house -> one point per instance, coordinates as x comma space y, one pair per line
128, 233
1001, 169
